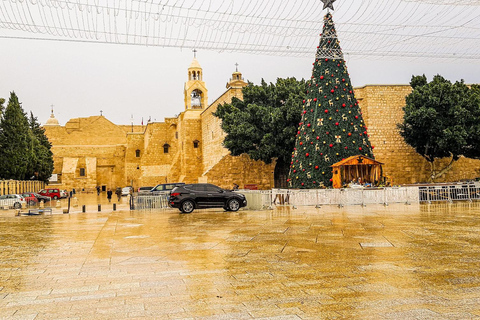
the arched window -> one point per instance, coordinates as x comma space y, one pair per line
166, 146
137, 153
195, 143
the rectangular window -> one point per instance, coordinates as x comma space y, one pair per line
82, 172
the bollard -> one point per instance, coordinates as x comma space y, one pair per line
114, 207
83, 209
17, 212
99, 207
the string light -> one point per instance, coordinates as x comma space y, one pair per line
408, 29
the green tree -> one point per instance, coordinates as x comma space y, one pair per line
15, 141
441, 120
2, 101
331, 126
41, 164
263, 124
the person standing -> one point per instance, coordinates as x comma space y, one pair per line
98, 190
109, 195
118, 192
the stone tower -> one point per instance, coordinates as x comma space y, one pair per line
196, 93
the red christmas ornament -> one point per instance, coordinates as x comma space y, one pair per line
315, 99
316, 167
318, 137
326, 59
331, 180
360, 148
344, 105
336, 123
303, 101
356, 117
307, 154
343, 80
346, 148
349, 134
327, 132
311, 110
321, 77
309, 125
332, 91
326, 111
294, 171
301, 143
302, 184
331, 145
373, 147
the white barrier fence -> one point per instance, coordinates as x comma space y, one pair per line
342, 197
265, 199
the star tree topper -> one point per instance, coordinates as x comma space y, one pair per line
328, 4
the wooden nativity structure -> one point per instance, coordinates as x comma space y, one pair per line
357, 169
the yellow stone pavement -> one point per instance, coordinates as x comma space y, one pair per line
374, 262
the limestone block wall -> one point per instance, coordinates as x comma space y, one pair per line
241, 170
191, 157
382, 111
212, 133
155, 163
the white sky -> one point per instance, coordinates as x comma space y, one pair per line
82, 78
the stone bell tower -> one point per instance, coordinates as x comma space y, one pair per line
196, 93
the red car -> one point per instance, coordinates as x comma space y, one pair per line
34, 198
51, 192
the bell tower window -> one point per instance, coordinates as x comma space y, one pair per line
137, 153
165, 148
195, 143
196, 99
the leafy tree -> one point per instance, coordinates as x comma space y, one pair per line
331, 127
41, 164
15, 139
264, 123
2, 101
24, 149
441, 120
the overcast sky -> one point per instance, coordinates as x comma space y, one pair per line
80, 79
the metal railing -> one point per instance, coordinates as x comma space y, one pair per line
143, 202
452, 192
267, 199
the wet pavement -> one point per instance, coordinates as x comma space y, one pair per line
374, 262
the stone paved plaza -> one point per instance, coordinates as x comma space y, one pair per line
374, 262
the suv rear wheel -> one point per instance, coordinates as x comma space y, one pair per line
233, 205
187, 206
17, 205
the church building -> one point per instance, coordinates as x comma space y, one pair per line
187, 148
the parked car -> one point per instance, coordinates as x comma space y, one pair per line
15, 201
37, 196
144, 189
165, 188
52, 193
204, 195
63, 194
126, 191
30, 199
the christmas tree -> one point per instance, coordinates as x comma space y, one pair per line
332, 126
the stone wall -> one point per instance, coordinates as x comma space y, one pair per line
382, 107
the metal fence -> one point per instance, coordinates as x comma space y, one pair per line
267, 199
453, 192
143, 202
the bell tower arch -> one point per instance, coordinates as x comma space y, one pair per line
196, 93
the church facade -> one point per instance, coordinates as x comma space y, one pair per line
91, 152
188, 148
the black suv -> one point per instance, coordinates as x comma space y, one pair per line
204, 195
